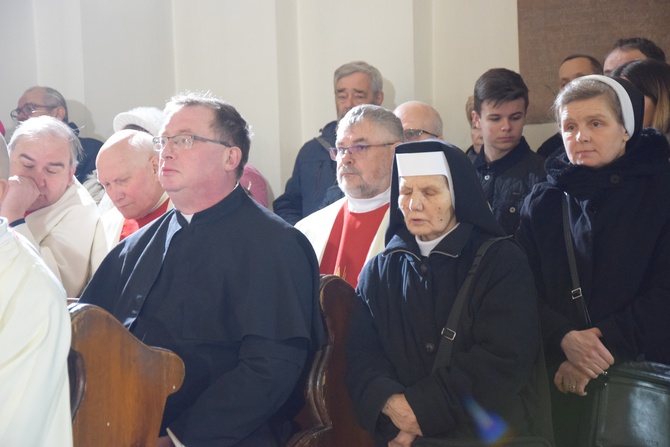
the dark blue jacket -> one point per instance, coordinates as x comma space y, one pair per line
313, 174
620, 224
506, 182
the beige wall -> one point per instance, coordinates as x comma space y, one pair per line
272, 59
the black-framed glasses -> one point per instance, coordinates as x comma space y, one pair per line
358, 150
28, 109
183, 141
415, 134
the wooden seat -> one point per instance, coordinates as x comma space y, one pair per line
328, 409
125, 382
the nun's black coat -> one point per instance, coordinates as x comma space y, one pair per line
405, 302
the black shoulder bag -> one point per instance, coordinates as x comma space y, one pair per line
443, 358
630, 402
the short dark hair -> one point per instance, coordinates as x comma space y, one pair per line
228, 124
499, 85
644, 45
596, 66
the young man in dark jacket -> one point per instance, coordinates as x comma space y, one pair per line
507, 168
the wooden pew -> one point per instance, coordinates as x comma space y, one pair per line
327, 419
121, 383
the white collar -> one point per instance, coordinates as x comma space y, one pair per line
371, 204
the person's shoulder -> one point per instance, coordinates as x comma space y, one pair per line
317, 219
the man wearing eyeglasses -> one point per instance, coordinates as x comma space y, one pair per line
38, 101
349, 232
219, 280
419, 120
314, 171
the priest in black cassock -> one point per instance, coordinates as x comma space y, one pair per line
221, 281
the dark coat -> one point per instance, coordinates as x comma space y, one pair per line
90, 148
405, 302
620, 223
507, 181
235, 294
313, 174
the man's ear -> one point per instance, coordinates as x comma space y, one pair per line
233, 158
379, 98
59, 112
154, 163
72, 171
475, 119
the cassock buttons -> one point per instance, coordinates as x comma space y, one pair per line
487, 177
615, 179
512, 209
424, 269
430, 348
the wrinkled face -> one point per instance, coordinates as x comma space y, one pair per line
367, 173
591, 133
131, 181
502, 125
45, 160
425, 202
354, 90
573, 69
619, 57
197, 171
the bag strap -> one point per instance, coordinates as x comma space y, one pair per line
576, 292
443, 356
323, 142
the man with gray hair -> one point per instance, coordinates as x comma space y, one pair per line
420, 121
128, 170
355, 83
46, 204
38, 101
34, 342
349, 232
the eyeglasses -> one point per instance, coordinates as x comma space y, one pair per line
182, 142
338, 152
415, 134
28, 109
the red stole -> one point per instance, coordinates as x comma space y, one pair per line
349, 243
132, 225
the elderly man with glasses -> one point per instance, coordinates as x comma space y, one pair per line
38, 101
221, 281
419, 120
349, 232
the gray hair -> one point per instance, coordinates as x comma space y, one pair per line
377, 115
376, 81
228, 124
582, 89
52, 98
46, 125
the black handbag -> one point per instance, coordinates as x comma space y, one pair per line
629, 405
443, 357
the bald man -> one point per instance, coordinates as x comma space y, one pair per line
128, 170
419, 121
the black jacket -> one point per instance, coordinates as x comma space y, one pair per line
620, 223
313, 174
507, 181
405, 302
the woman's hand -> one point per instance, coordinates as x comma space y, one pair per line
569, 379
403, 439
401, 414
586, 352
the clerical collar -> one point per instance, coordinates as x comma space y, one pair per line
427, 246
371, 204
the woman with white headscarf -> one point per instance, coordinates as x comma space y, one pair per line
614, 179
439, 219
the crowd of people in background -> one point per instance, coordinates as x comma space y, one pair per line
166, 226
